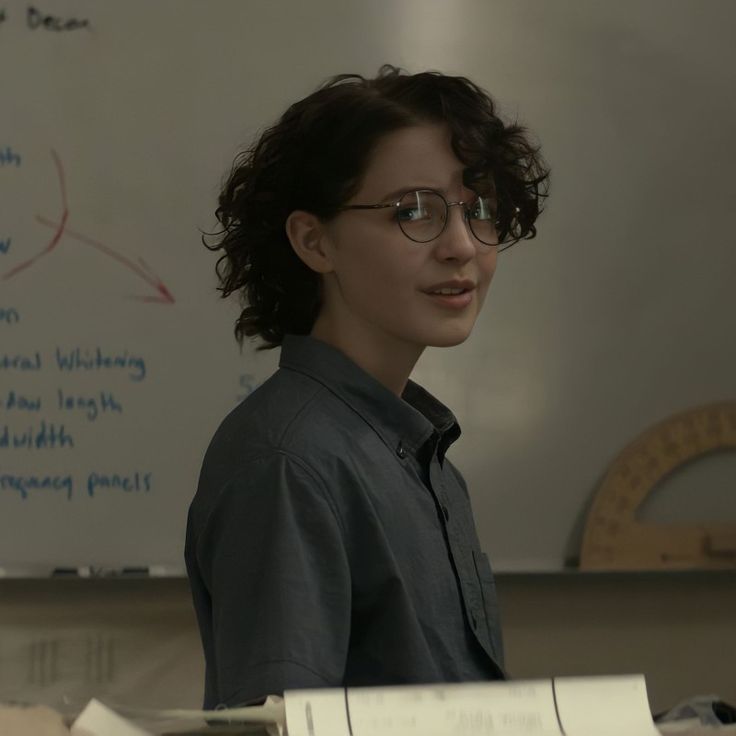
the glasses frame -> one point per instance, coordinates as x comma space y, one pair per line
397, 203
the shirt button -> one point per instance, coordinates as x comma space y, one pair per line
400, 451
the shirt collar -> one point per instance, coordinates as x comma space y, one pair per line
404, 424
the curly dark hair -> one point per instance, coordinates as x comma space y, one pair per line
313, 159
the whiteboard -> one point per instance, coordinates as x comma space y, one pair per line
117, 360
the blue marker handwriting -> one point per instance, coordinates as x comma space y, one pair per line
48, 436
78, 359
8, 157
9, 316
133, 483
23, 484
20, 362
14, 401
5, 246
101, 402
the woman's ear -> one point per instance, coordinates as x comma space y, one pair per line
307, 235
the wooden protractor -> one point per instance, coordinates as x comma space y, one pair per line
614, 539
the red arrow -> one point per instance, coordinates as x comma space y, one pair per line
145, 272
163, 296
59, 228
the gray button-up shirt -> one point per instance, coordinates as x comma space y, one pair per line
332, 543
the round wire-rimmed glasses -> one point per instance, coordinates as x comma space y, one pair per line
422, 215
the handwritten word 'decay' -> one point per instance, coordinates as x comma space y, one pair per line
37, 19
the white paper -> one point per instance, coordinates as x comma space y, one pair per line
575, 706
98, 720
488, 709
270, 714
604, 706
316, 713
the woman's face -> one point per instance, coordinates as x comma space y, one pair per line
379, 286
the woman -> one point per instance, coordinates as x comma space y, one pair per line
331, 542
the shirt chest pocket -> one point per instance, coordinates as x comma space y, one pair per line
490, 602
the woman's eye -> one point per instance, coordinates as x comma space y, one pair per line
412, 214
484, 209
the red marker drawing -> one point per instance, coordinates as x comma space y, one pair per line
141, 268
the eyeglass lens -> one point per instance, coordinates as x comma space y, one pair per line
422, 217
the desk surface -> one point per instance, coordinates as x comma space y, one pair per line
39, 720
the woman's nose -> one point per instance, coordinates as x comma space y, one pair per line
457, 239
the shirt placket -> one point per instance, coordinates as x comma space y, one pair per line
457, 535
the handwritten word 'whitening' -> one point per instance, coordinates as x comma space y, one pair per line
95, 360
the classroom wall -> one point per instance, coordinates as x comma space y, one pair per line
575, 373
615, 317
135, 642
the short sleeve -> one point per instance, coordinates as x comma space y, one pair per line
272, 555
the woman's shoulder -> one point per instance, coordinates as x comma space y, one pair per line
291, 409
289, 413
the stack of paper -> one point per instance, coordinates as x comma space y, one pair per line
590, 706
564, 706
99, 720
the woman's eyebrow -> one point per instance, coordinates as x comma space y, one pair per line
411, 188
